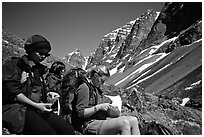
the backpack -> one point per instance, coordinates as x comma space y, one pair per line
71, 81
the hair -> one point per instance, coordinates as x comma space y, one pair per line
99, 69
57, 68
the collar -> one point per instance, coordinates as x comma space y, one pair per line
30, 64
27, 61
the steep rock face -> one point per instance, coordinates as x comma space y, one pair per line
76, 59
115, 45
158, 71
167, 67
174, 18
11, 45
181, 57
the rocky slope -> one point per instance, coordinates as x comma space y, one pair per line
155, 63
166, 65
75, 58
116, 46
12, 46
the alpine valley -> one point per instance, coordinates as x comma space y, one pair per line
155, 63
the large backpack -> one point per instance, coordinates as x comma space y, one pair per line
71, 81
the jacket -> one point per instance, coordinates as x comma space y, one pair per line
13, 113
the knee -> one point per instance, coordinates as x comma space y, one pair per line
133, 120
124, 123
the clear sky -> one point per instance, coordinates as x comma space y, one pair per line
71, 25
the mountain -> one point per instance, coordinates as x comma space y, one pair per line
114, 47
156, 50
11, 45
76, 59
155, 63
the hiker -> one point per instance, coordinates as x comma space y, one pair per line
53, 82
24, 106
87, 109
71, 80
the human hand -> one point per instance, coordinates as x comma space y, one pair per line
52, 97
44, 107
114, 111
103, 106
24, 76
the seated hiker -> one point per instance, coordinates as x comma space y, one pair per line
90, 116
53, 84
71, 80
24, 106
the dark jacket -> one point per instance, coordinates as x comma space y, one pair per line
14, 112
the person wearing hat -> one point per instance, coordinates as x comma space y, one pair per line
91, 115
24, 102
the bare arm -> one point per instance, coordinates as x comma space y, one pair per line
83, 101
90, 111
41, 106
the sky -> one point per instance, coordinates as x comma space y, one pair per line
71, 25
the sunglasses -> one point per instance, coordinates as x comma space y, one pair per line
101, 73
43, 54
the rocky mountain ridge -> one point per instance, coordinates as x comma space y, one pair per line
115, 45
156, 67
163, 64
76, 59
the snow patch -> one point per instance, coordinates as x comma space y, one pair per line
157, 15
185, 100
5, 41
143, 67
122, 69
113, 71
193, 85
109, 61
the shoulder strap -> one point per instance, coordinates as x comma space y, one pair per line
93, 92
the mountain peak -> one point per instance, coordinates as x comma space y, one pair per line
76, 51
75, 58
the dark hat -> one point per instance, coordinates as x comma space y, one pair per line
36, 42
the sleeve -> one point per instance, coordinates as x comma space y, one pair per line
82, 99
11, 85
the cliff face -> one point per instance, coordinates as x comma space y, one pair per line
173, 19
155, 63
162, 64
119, 46
11, 45
76, 59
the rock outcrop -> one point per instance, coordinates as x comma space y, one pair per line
76, 59
155, 63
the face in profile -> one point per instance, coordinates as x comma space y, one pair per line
39, 55
98, 80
